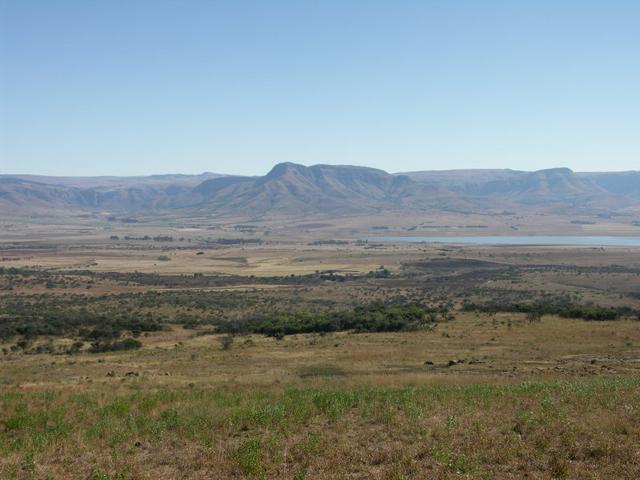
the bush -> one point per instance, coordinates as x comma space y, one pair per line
75, 348
375, 317
552, 306
225, 342
115, 346
534, 316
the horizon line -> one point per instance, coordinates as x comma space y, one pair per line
208, 172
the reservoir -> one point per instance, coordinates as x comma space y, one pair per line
569, 240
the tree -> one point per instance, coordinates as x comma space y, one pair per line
534, 316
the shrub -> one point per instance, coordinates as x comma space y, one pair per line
75, 348
552, 306
375, 317
114, 346
225, 342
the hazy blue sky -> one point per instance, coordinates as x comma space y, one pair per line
137, 87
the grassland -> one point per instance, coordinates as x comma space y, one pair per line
471, 386
563, 429
481, 396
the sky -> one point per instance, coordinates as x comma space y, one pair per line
123, 87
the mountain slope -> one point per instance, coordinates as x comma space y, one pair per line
110, 182
621, 183
20, 195
292, 190
551, 188
40, 193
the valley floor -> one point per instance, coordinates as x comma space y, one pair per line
525, 362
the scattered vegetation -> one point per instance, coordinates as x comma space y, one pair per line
115, 345
329, 242
376, 317
49, 316
555, 306
191, 406
226, 341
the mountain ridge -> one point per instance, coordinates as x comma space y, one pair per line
291, 189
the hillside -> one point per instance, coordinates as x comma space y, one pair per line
557, 188
292, 190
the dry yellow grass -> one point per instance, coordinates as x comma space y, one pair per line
487, 349
551, 399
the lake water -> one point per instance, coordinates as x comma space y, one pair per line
595, 241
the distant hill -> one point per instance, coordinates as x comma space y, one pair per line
43, 193
621, 183
18, 195
550, 189
118, 182
292, 190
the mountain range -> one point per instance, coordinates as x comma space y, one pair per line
292, 190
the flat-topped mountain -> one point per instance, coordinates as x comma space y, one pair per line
291, 189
